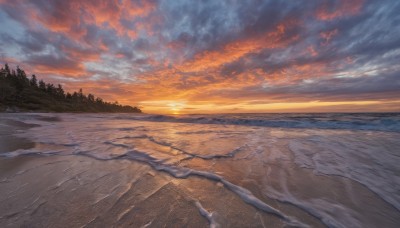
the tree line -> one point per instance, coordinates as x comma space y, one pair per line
30, 94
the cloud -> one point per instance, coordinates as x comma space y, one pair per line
383, 87
334, 9
209, 51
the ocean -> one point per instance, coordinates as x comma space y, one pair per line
217, 170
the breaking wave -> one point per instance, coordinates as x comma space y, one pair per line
348, 121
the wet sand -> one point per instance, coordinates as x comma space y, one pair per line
77, 191
68, 190
10, 142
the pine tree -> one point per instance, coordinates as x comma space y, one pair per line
42, 85
90, 97
60, 91
7, 69
28, 94
33, 81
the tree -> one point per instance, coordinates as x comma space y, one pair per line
30, 94
20, 80
42, 85
33, 81
12, 75
68, 96
75, 96
90, 97
80, 94
99, 100
7, 69
2, 73
6, 91
60, 91
51, 89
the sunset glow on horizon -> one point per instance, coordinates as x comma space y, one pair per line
179, 57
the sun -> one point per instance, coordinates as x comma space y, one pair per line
176, 107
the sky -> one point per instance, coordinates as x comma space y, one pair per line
209, 56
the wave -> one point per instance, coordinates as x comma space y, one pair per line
355, 121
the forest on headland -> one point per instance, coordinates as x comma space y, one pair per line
20, 93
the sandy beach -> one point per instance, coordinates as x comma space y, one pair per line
92, 181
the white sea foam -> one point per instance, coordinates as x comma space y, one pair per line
208, 215
352, 121
373, 166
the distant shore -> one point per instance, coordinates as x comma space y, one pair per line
18, 92
13, 109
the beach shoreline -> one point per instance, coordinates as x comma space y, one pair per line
101, 170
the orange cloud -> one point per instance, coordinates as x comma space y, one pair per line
328, 12
64, 71
70, 17
311, 50
328, 35
82, 55
237, 49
